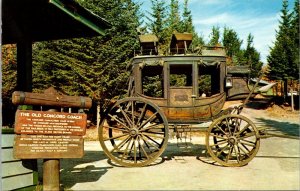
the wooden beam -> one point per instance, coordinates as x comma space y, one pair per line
24, 67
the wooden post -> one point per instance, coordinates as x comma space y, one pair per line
24, 68
51, 175
292, 99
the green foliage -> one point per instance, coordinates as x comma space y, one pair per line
174, 19
9, 71
235, 54
214, 36
95, 67
284, 55
252, 57
295, 23
178, 80
204, 82
231, 42
63, 64
152, 86
187, 22
158, 23
187, 26
163, 22
295, 40
9, 82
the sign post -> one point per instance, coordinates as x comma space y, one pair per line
49, 135
51, 174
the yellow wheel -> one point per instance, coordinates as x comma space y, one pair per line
134, 132
232, 140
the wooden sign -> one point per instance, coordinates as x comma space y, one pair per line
49, 135
48, 146
50, 123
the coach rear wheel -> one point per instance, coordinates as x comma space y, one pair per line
134, 132
232, 140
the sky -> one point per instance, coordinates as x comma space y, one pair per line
258, 17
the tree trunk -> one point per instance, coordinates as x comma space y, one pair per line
285, 90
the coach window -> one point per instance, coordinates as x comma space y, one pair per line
208, 80
181, 75
152, 81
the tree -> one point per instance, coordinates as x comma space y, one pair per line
63, 65
187, 22
295, 22
187, 26
214, 36
9, 82
282, 58
232, 45
174, 19
158, 23
252, 57
94, 67
294, 72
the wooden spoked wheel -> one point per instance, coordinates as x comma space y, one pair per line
134, 132
232, 140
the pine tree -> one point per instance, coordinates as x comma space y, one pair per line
252, 57
164, 21
284, 55
294, 72
232, 43
214, 36
174, 18
96, 66
158, 24
9, 82
65, 65
187, 19
187, 26
280, 57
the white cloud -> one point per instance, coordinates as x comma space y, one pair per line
214, 20
262, 27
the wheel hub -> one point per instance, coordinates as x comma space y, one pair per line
232, 140
134, 132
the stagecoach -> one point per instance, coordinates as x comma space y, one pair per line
178, 92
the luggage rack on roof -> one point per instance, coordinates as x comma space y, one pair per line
180, 45
148, 45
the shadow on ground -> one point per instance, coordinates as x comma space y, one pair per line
75, 171
176, 151
71, 174
286, 128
